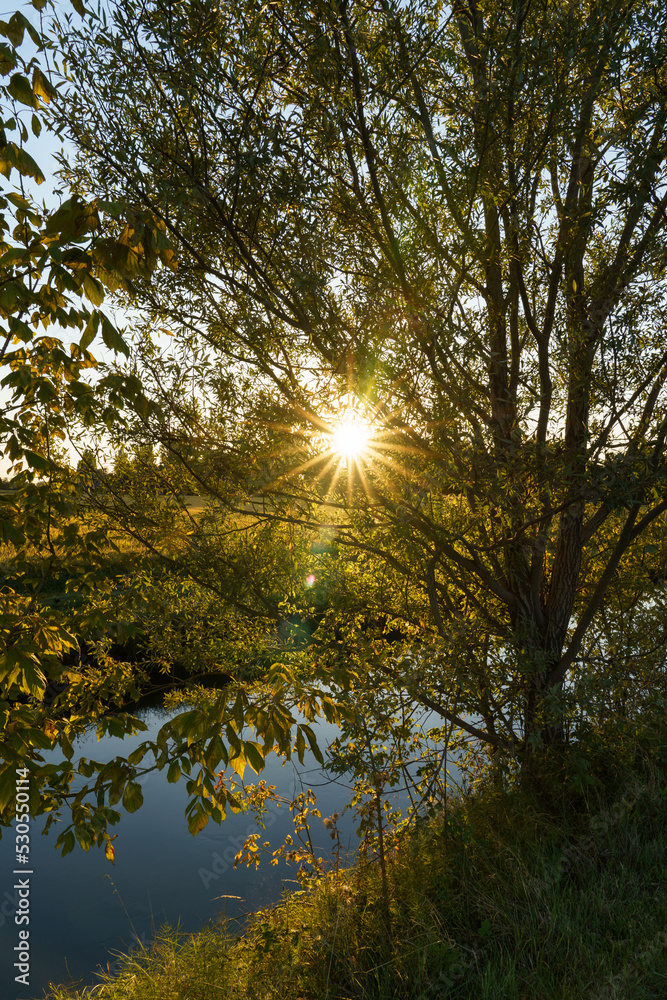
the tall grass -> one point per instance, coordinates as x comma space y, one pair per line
557, 890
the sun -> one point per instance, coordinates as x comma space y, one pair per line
351, 437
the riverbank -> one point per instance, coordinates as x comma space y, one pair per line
512, 894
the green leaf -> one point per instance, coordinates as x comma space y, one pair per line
13, 29
85, 837
215, 752
10, 533
238, 713
21, 330
64, 220
20, 89
7, 59
254, 756
8, 159
133, 797
86, 767
112, 338
19, 201
90, 331
182, 725
18, 23
174, 772
111, 725
233, 740
317, 753
115, 792
93, 290
66, 841
37, 738
36, 461
137, 755
269, 737
113, 208
27, 166
197, 820
15, 255
33, 682
300, 745
7, 786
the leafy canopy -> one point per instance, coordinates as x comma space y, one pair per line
446, 221
448, 218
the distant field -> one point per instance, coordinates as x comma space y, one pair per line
194, 502
191, 501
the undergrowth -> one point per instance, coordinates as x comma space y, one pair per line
553, 890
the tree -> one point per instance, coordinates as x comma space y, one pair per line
54, 269
448, 220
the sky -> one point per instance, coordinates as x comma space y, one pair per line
50, 194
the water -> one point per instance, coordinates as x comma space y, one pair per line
83, 909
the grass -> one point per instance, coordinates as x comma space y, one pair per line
557, 891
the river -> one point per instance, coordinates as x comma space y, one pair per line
84, 910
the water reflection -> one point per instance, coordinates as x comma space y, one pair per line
83, 908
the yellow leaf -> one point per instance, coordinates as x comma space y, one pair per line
93, 290
238, 763
41, 86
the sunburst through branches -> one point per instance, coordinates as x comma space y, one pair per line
353, 446
351, 437
349, 442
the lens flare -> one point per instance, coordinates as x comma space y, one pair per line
351, 438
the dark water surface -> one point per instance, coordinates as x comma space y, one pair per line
83, 909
